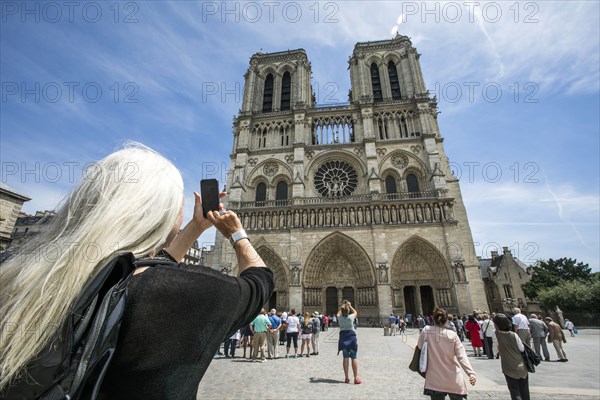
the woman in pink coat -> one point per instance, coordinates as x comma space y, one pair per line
473, 327
445, 357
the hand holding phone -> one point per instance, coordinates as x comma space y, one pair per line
209, 190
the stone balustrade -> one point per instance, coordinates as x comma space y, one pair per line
360, 210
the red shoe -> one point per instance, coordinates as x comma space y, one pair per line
357, 381
347, 380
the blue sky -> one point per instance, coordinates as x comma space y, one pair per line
77, 83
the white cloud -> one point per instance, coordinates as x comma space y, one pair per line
532, 218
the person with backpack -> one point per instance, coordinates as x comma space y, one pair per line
402, 325
460, 328
316, 328
307, 331
283, 333
108, 328
570, 327
489, 332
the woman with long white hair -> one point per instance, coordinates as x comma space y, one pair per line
176, 315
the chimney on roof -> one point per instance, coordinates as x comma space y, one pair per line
505, 250
494, 253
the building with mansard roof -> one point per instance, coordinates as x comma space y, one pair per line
352, 201
504, 276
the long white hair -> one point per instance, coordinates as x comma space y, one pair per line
126, 202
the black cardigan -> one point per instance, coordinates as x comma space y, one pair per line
176, 317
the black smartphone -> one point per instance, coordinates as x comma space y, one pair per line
209, 190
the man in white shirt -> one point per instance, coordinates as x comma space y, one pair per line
488, 330
521, 324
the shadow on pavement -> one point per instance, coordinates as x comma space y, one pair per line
320, 380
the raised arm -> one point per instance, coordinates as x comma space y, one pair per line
184, 240
352, 310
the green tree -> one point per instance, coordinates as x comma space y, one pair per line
574, 296
551, 273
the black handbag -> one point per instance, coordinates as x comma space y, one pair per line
414, 364
530, 359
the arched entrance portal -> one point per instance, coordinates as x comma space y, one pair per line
338, 268
420, 279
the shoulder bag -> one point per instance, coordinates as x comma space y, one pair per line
415, 363
530, 359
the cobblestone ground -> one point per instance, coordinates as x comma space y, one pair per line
383, 369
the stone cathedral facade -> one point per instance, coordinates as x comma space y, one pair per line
350, 201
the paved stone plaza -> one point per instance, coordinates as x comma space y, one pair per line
383, 368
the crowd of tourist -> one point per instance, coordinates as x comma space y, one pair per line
274, 329
277, 328
495, 336
479, 330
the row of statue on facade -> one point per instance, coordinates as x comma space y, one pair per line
312, 297
366, 296
349, 216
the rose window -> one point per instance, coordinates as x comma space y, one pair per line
335, 178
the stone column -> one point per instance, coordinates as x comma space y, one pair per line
297, 88
393, 128
384, 77
418, 304
277, 77
384, 300
402, 303
295, 299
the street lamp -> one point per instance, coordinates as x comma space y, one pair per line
509, 302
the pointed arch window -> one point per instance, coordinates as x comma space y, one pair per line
261, 192
376, 82
268, 94
403, 127
284, 135
394, 82
286, 91
383, 129
262, 139
281, 194
412, 183
390, 184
